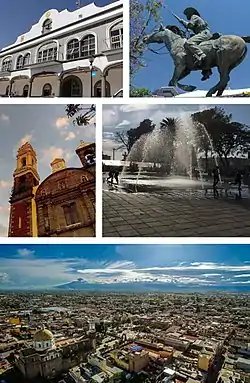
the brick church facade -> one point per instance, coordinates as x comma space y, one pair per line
62, 205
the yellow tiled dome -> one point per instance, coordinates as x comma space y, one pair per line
43, 335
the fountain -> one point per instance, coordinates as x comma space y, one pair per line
168, 158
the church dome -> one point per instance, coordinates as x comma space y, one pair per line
43, 336
43, 340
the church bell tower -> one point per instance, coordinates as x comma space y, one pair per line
23, 219
86, 153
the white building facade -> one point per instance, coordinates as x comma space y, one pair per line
67, 54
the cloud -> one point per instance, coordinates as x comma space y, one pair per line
4, 117
123, 124
49, 154
70, 136
24, 139
4, 278
62, 122
25, 252
133, 107
5, 184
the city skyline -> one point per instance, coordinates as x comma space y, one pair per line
51, 133
125, 267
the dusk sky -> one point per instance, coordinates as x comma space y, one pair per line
124, 117
195, 266
17, 17
51, 134
223, 16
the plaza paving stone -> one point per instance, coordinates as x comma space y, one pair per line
163, 215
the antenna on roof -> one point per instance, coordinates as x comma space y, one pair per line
78, 4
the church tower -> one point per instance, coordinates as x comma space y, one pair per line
23, 219
86, 153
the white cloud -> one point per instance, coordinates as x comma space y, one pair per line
123, 124
62, 122
49, 154
24, 139
127, 108
70, 136
5, 184
4, 278
25, 253
4, 117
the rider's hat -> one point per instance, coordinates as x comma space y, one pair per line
191, 11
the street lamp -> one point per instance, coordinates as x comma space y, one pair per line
91, 60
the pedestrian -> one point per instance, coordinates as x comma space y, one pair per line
216, 178
238, 181
110, 177
116, 176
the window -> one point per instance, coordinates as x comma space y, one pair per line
19, 223
26, 93
23, 162
116, 36
19, 62
71, 214
88, 46
47, 26
26, 59
61, 185
47, 53
47, 90
7, 64
73, 49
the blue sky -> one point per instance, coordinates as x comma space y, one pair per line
223, 16
17, 16
124, 117
196, 266
51, 134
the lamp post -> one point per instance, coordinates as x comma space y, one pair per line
91, 60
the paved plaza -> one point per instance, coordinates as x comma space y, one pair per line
174, 215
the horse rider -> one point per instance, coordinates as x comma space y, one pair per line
201, 32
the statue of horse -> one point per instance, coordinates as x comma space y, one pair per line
224, 52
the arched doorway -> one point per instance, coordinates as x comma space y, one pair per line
47, 90
98, 89
26, 91
71, 87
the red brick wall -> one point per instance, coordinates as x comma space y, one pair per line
21, 210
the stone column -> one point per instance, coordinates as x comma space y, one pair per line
103, 85
10, 88
30, 88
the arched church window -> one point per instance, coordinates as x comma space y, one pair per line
7, 64
73, 49
19, 62
26, 59
116, 36
47, 52
47, 26
88, 46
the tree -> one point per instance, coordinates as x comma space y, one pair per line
168, 127
222, 135
83, 115
142, 17
128, 138
139, 92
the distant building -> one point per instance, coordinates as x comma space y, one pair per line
46, 359
62, 205
67, 54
